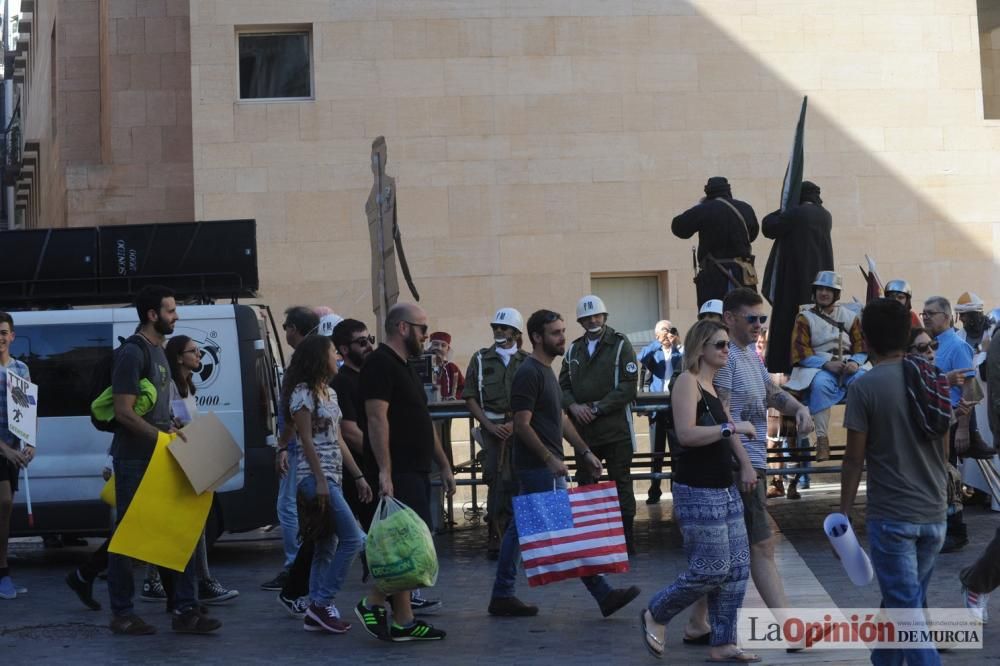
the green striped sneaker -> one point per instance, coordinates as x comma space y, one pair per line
418, 631
374, 620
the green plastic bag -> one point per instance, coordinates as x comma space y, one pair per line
400, 550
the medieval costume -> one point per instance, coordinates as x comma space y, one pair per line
802, 248
726, 227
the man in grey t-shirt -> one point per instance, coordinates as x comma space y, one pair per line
906, 472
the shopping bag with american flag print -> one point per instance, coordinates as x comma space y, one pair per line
569, 534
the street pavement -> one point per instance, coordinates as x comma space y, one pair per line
49, 625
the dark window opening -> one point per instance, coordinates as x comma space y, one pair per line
275, 65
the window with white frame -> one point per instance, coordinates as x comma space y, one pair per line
275, 64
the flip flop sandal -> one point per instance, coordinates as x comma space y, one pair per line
704, 639
652, 643
740, 657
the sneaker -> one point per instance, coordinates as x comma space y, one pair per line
277, 583
295, 607
953, 543
511, 607
374, 620
320, 618
152, 590
617, 599
211, 592
131, 625
423, 606
193, 621
977, 604
418, 631
7, 588
84, 590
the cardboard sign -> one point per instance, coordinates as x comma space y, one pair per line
22, 409
210, 456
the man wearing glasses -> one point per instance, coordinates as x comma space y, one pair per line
487, 394
661, 359
953, 353
828, 353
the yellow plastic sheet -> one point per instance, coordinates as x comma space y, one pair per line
166, 517
108, 492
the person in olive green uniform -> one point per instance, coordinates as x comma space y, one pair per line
487, 393
599, 377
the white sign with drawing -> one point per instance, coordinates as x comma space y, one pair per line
22, 409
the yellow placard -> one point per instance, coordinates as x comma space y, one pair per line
165, 519
108, 492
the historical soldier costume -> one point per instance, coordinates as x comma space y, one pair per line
802, 248
828, 355
726, 227
487, 393
600, 373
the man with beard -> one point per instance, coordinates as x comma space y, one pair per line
827, 352
539, 428
599, 378
487, 395
132, 448
726, 227
969, 308
802, 248
401, 436
354, 343
448, 376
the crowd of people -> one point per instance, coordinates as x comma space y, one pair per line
354, 425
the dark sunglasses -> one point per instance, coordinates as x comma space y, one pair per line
502, 327
753, 319
362, 340
673, 331
551, 317
192, 351
420, 327
922, 347
718, 344
287, 326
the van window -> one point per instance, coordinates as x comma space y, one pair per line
62, 360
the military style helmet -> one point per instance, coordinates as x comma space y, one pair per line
590, 305
899, 286
830, 280
508, 317
327, 323
711, 306
968, 302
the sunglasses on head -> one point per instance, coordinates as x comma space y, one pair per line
369, 339
922, 347
718, 344
753, 319
673, 331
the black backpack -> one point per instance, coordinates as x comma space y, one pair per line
101, 380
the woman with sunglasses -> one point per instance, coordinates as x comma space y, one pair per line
184, 359
707, 502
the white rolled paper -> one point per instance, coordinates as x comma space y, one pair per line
845, 543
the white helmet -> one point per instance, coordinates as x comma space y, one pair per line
711, 306
968, 302
508, 317
590, 305
327, 323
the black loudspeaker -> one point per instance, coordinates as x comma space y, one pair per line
48, 263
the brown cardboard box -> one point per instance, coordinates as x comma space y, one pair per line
210, 456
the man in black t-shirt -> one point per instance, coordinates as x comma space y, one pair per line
354, 343
539, 427
401, 436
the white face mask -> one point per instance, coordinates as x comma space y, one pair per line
501, 341
595, 331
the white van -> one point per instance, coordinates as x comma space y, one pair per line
238, 381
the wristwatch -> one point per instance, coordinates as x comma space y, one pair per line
593, 408
726, 429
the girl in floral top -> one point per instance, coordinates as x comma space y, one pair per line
311, 405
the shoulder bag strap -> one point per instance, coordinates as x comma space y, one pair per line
736, 210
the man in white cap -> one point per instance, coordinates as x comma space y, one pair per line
599, 378
828, 353
711, 309
487, 394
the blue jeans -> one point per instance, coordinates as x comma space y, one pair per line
121, 585
533, 481
288, 516
903, 556
334, 555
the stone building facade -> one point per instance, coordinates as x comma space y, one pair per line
540, 147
